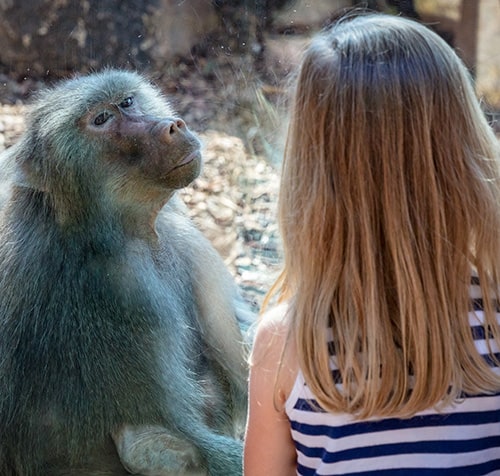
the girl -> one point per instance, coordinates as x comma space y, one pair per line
383, 357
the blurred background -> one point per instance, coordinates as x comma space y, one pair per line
224, 64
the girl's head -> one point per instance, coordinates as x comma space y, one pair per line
385, 131
389, 197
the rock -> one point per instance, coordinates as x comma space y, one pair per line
488, 57
47, 38
307, 15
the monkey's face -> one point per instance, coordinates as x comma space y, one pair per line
161, 150
106, 141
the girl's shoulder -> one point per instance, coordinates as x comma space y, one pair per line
275, 319
273, 351
271, 333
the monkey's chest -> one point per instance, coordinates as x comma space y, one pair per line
101, 356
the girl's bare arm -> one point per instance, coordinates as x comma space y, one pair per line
269, 448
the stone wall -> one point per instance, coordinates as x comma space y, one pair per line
57, 37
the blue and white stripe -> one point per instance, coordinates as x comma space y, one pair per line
460, 440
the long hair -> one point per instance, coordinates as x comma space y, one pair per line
390, 199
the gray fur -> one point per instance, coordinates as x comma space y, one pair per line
119, 339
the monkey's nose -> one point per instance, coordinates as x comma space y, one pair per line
170, 128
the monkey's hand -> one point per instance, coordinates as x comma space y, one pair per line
153, 451
225, 457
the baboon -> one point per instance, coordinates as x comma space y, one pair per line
121, 331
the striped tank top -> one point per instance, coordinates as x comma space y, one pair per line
460, 440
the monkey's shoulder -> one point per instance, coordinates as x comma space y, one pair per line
177, 232
6, 175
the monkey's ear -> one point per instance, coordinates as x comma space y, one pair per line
26, 168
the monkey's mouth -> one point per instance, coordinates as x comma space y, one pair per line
188, 159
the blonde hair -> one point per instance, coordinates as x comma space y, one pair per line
390, 197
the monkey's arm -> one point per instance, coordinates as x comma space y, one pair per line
146, 449
224, 316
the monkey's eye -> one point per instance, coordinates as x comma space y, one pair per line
102, 118
127, 102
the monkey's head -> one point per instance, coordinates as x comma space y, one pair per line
109, 135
